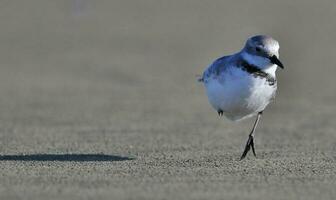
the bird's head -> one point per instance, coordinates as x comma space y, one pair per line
262, 51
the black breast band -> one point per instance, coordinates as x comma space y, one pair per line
256, 72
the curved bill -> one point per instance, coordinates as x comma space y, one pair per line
276, 61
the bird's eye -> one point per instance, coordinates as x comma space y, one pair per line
258, 49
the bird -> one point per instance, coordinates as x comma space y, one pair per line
241, 85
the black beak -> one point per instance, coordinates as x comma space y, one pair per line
276, 61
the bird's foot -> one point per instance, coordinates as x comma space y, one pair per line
248, 146
220, 113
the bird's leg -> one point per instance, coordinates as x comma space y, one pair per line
250, 142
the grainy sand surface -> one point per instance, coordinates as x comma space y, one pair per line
99, 100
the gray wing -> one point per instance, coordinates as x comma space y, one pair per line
216, 68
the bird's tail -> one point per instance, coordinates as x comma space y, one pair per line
199, 78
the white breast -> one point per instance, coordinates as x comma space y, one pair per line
239, 94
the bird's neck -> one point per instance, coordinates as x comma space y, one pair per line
260, 62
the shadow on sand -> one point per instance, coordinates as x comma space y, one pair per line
65, 157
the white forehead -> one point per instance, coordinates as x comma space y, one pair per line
267, 42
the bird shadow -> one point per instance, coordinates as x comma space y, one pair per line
65, 157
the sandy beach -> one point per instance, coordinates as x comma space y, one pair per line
100, 100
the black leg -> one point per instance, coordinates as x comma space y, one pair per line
250, 142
